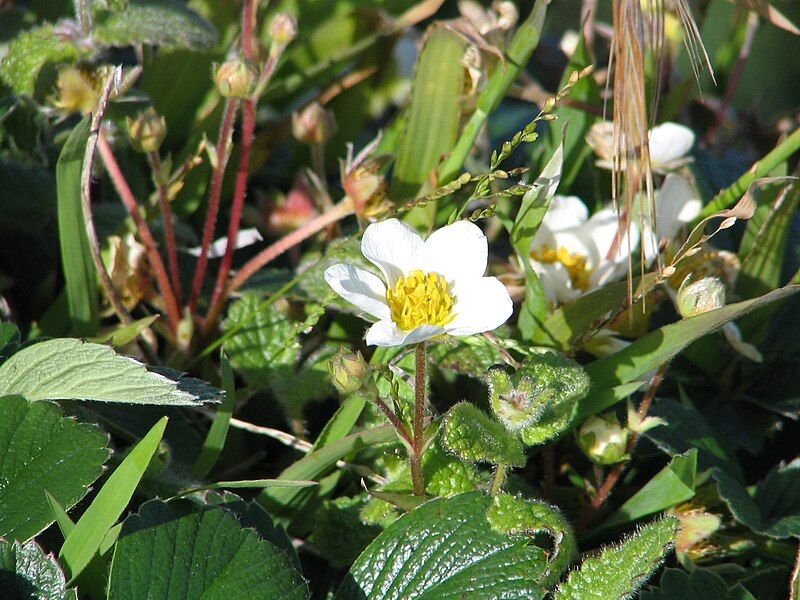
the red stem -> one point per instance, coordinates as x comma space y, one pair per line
223, 153
128, 199
169, 229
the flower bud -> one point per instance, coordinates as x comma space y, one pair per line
283, 29
147, 131
696, 526
366, 187
701, 296
314, 124
603, 440
236, 78
349, 372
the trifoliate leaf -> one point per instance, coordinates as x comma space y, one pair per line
617, 572
471, 434
26, 573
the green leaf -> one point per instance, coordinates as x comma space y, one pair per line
515, 515
773, 506
152, 558
85, 539
618, 571
339, 534
658, 346
434, 116
446, 548
342, 421
565, 382
218, 432
29, 52
672, 485
566, 327
167, 23
39, 449
70, 369
471, 434
26, 573
80, 275
124, 334
700, 584
471, 356
534, 205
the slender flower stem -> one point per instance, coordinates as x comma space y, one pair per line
402, 431
271, 252
498, 479
166, 215
418, 445
153, 257
223, 153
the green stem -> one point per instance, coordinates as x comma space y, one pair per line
498, 479
418, 441
760, 169
517, 55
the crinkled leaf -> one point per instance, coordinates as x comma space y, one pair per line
26, 573
70, 369
29, 52
171, 550
339, 534
471, 356
773, 506
157, 22
446, 548
471, 434
700, 584
618, 571
41, 450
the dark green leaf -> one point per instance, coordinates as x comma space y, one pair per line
26, 573
700, 584
471, 434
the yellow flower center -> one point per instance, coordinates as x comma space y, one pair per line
575, 264
420, 299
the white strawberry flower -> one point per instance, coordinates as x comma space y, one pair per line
573, 253
429, 288
669, 143
676, 205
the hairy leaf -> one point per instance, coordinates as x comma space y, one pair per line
469, 557
40, 450
70, 369
471, 434
29, 52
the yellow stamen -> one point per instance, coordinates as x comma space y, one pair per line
575, 264
420, 299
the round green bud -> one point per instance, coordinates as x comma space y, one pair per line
236, 78
283, 29
603, 440
147, 131
701, 296
349, 371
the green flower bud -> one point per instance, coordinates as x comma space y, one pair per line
147, 131
314, 124
349, 372
701, 296
236, 78
603, 440
283, 29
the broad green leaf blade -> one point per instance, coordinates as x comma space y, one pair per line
617, 572
660, 345
80, 275
773, 508
218, 432
29, 52
171, 551
534, 205
434, 115
700, 584
472, 435
339, 533
672, 485
70, 369
317, 463
446, 549
566, 327
40, 450
85, 539
166, 23
26, 573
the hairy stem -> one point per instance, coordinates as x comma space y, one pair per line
166, 214
418, 445
402, 431
223, 153
153, 257
498, 479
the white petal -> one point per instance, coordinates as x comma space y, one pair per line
360, 288
669, 142
676, 205
649, 244
456, 251
603, 229
244, 237
391, 246
482, 304
565, 212
385, 333
555, 281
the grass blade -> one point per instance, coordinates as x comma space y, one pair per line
218, 432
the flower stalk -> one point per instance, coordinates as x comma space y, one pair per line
160, 179
418, 440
